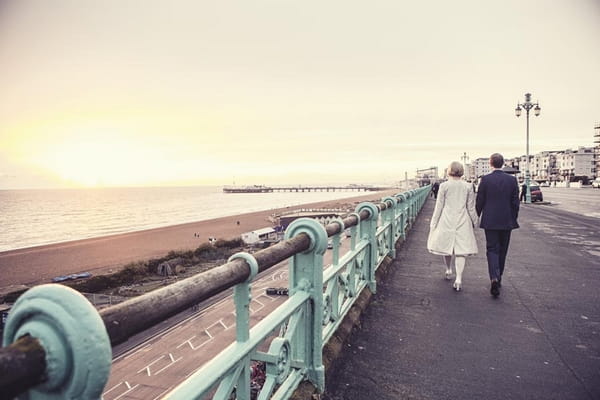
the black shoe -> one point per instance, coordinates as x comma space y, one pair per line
495, 289
499, 283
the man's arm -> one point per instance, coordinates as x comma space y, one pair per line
480, 199
514, 200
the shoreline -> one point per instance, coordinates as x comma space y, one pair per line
106, 254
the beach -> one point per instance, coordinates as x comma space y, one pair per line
102, 255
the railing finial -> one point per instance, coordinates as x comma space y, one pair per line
77, 347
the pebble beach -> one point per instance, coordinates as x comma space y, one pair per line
102, 255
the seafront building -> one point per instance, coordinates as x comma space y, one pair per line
544, 165
581, 164
576, 163
597, 148
480, 167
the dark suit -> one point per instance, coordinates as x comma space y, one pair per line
498, 204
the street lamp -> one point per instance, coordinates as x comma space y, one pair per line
527, 105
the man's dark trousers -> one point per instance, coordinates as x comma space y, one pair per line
496, 249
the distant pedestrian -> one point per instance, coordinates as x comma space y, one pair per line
434, 189
498, 205
523, 195
451, 228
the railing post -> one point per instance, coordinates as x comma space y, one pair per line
402, 208
242, 297
368, 232
306, 274
76, 345
354, 231
413, 208
389, 215
336, 241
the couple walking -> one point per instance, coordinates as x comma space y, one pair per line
456, 212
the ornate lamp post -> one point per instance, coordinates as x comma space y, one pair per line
527, 105
465, 159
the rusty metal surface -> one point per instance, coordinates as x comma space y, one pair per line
22, 364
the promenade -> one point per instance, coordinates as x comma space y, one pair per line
418, 339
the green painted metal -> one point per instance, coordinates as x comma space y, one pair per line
336, 240
306, 273
368, 230
242, 298
390, 217
78, 352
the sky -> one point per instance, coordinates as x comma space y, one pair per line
152, 93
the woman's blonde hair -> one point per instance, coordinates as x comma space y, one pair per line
456, 169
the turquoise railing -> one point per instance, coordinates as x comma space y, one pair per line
58, 346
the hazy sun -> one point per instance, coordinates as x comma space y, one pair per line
97, 156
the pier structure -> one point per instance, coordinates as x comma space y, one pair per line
270, 189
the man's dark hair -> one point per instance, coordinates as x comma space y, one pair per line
497, 160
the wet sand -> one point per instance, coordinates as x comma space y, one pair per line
36, 265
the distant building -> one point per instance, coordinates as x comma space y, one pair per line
576, 164
548, 166
597, 148
324, 216
427, 176
544, 166
481, 166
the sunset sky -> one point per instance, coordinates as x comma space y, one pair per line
132, 93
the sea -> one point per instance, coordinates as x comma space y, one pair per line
44, 216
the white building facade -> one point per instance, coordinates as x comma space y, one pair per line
576, 163
597, 143
544, 166
481, 166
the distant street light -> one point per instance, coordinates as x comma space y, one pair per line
527, 105
465, 160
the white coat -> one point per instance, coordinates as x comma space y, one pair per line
453, 219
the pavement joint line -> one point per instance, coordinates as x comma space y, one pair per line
188, 341
126, 392
203, 343
168, 365
147, 367
212, 325
256, 300
116, 386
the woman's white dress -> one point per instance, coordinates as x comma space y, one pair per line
453, 219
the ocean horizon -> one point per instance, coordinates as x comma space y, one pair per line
35, 217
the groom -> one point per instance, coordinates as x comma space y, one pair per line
498, 201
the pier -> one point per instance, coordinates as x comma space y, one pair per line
271, 189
